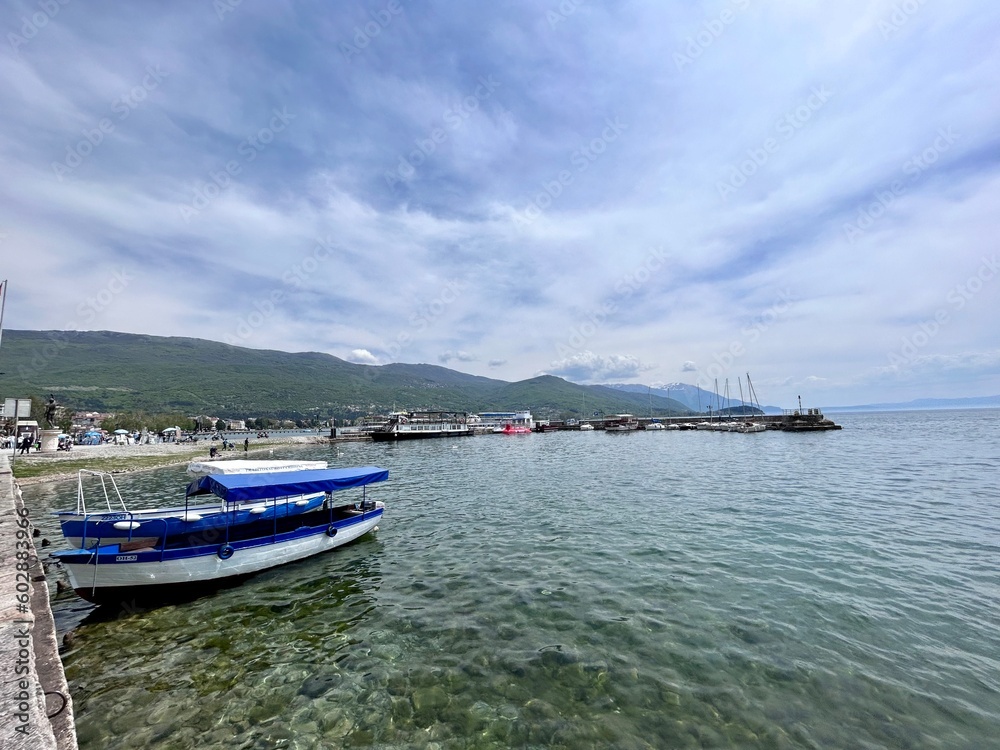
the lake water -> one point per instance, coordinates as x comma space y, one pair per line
591, 590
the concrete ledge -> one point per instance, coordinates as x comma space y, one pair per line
32, 681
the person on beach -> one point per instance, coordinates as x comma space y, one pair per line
26, 444
246, 445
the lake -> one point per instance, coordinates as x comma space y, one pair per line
591, 590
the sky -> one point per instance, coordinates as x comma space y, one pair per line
609, 192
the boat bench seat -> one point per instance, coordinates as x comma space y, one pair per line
146, 544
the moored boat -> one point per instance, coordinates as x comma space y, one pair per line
423, 424
621, 423
260, 521
86, 528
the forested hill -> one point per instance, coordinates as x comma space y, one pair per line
109, 371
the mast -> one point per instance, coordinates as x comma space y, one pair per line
753, 395
3, 304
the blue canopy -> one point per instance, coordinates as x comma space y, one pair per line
235, 488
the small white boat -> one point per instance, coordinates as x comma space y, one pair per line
258, 522
653, 426
586, 427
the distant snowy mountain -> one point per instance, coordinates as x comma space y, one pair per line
692, 396
699, 400
977, 402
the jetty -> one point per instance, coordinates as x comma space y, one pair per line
790, 420
36, 709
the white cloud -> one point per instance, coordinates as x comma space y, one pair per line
587, 366
363, 357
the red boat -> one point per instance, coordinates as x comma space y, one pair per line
515, 429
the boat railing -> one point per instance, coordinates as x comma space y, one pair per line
81, 503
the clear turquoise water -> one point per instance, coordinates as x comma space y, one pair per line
591, 590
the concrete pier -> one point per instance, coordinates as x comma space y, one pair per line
36, 710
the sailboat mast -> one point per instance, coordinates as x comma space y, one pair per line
753, 395
3, 304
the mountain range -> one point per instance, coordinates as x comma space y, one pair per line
113, 372
977, 402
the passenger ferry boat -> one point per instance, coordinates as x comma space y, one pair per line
419, 425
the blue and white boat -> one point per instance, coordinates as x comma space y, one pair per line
258, 522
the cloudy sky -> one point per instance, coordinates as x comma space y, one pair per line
607, 191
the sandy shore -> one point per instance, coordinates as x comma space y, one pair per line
182, 453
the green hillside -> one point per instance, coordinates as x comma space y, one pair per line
114, 372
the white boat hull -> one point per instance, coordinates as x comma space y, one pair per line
113, 576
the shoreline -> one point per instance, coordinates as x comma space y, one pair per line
175, 453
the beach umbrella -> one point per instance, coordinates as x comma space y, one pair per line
121, 432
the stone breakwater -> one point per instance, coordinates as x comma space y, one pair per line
36, 710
